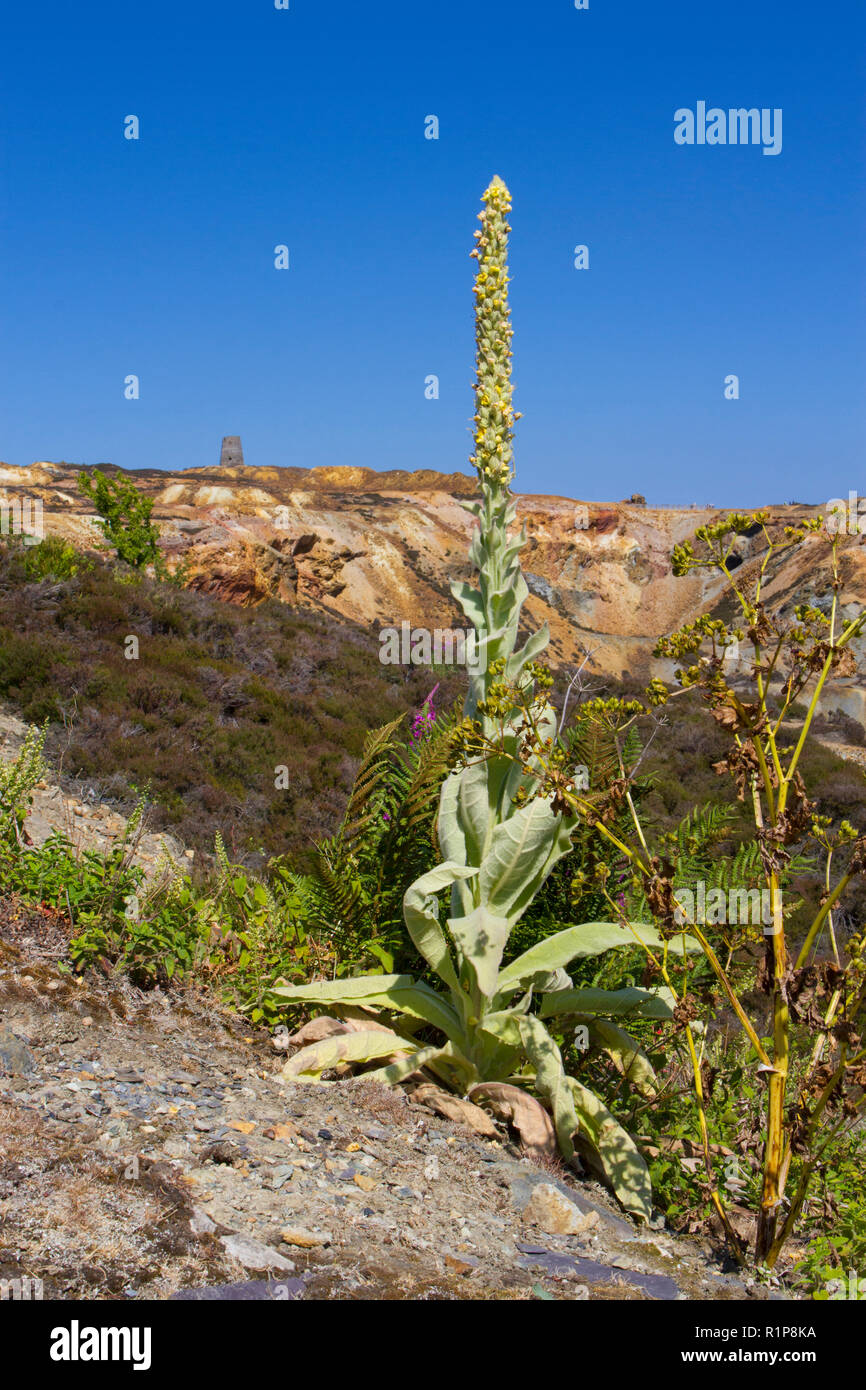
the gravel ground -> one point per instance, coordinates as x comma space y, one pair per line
149, 1149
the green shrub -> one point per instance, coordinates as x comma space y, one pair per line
218, 698
55, 558
124, 517
18, 780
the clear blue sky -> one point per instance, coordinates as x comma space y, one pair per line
306, 127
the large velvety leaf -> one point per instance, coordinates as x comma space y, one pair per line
643, 1003
480, 938
550, 1079
626, 1054
471, 805
619, 1156
422, 1002
421, 915
465, 813
449, 831
501, 1043
504, 1024
336, 991
523, 850
587, 939
310, 1062
399, 992
397, 1071
470, 601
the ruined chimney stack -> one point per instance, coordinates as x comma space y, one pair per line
231, 453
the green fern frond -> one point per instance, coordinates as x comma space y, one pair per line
224, 868
342, 905
372, 777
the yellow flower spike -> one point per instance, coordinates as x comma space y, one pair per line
494, 414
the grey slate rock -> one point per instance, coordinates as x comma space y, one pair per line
658, 1286
15, 1055
284, 1290
521, 1191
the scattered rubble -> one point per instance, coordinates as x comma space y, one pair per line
149, 1149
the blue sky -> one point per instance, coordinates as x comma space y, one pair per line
258, 127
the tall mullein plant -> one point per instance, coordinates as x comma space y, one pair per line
500, 838
494, 607
476, 801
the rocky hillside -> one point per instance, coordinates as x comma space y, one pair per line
381, 548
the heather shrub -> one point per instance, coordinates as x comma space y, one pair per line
217, 700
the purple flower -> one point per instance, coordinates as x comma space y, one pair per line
424, 718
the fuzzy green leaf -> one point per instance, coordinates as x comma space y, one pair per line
362, 987
619, 1156
480, 938
551, 1081
587, 939
523, 850
309, 1063
644, 1003
398, 1071
421, 915
626, 1053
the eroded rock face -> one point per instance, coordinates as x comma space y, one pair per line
382, 548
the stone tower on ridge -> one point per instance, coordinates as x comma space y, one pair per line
231, 453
